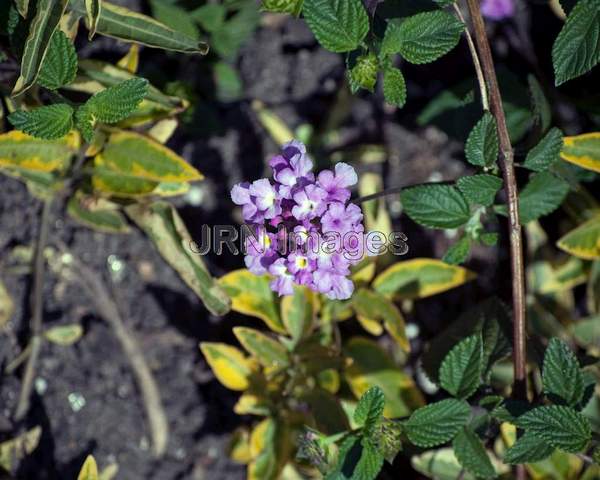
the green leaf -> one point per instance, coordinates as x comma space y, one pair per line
97, 214
210, 16
93, 9
527, 449
542, 110
369, 409
577, 47
440, 464
460, 372
175, 17
358, 459
167, 231
338, 25
364, 73
84, 122
298, 312
230, 366
124, 24
481, 148
394, 87
424, 37
542, 195
267, 351
459, 252
228, 39
472, 455
118, 102
546, 152
387, 437
561, 427
22, 7
60, 64
480, 189
435, 205
583, 241
48, 123
41, 29
64, 334
293, 7
562, 376
437, 423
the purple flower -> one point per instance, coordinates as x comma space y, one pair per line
327, 230
498, 9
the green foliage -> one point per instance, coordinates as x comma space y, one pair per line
480, 189
577, 47
459, 252
528, 449
358, 459
338, 25
541, 107
50, 122
472, 455
546, 152
481, 148
435, 205
394, 87
369, 410
364, 73
561, 427
542, 195
461, 370
423, 38
437, 423
562, 376
60, 63
293, 7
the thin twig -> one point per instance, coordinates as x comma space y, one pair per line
107, 309
476, 62
39, 268
510, 185
383, 193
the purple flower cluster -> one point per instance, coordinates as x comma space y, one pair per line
326, 228
498, 9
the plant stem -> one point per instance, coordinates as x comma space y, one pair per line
39, 268
510, 186
383, 193
476, 63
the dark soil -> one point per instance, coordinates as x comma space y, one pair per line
283, 67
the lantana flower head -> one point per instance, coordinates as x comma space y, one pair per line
498, 9
305, 230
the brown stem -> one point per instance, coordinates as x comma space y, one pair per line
510, 185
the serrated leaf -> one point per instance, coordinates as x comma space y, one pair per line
364, 72
542, 110
60, 63
435, 205
93, 9
527, 449
387, 438
369, 409
270, 353
561, 427
437, 423
25, 153
42, 27
358, 459
394, 87
480, 189
472, 455
231, 367
124, 24
542, 195
583, 241
481, 148
460, 372
562, 376
251, 295
459, 252
89, 469
64, 334
166, 229
338, 25
583, 151
424, 37
118, 102
371, 366
576, 50
546, 152
420, 278
49, 122
293, 7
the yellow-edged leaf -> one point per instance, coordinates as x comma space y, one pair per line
131, 60
420, 278
23, 152
231, 367
7, 306
270, 447
239, 446
93, 9
298, 312
251, 404
270, 353
251, 295
583, 150
89, 470
371, 366
163, 130
19, 447
549, 279
364, 271
64, 334
97, 214
329, 380
584, 241
273, 124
